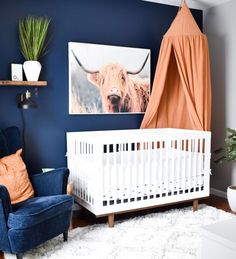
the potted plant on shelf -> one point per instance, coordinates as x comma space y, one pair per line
32, 34
228, 153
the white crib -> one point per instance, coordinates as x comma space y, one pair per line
121, 170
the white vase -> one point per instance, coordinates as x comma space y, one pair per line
231, 195
32, 70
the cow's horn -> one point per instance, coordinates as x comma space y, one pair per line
86, 70
138, 71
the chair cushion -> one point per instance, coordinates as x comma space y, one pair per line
14, 176
38, 209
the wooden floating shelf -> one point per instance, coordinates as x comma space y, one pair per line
22, 83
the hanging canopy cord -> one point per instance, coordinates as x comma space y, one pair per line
181, 4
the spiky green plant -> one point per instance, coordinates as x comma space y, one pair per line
228, 152
32, 34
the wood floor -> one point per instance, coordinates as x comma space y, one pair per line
81, 218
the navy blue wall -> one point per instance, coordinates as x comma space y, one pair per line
118, 22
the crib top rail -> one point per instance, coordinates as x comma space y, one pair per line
108, 136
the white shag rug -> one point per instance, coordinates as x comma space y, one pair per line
174, 234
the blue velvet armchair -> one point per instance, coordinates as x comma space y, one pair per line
32, 222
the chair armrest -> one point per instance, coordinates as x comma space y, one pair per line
50, 183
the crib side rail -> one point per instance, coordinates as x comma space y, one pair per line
126, 136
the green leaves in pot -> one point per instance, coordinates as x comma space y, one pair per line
32, 34
228, 152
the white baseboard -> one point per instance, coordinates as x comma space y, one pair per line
218, 193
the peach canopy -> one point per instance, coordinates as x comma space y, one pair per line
181, 93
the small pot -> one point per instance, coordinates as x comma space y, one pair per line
231, 195
32, 70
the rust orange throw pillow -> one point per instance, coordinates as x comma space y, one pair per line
14, 176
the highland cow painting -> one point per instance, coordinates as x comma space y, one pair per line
108, 79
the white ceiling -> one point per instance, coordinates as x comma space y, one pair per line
196, 4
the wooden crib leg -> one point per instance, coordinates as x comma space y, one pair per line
111, 220
195, 205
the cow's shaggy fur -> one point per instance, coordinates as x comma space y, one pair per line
120, 92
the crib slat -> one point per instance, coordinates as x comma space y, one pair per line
167, 152
184, 175
82, 173
161, 175
85, 174
151, 155
140, 168
106, 172
77, 177
190, 165
148, 174
118, 166
125, 171
129, 164
195, 164
79, 187
134, 174
119, 170
179, 159
155, 170
172, 167
200, 167
116, 186
143, 167
116, 170
88, 175
136, 147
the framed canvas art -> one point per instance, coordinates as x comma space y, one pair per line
108, 79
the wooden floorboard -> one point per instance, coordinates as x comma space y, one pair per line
81, 218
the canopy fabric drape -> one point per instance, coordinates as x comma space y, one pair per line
181, 93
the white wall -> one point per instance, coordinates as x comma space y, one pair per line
220, 27
195, 4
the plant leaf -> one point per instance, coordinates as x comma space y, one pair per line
32, 34
231, 130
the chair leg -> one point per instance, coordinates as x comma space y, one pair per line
19, 256
65, 236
